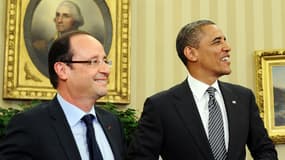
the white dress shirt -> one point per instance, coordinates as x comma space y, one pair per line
73, 115
201, 98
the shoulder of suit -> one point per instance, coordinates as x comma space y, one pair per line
234, 86
172, 91
103, 111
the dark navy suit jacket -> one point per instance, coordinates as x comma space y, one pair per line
43, 133
170, 126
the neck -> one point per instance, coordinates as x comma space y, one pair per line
207, 79
84, 103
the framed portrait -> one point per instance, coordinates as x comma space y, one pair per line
270, 91
32, 26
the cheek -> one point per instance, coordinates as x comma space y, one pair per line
215, 55
87, 73
70, 22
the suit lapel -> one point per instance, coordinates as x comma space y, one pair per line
63, 131
233, 115
107, 126
187, 109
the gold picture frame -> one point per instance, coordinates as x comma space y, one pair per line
22, 77
270, 91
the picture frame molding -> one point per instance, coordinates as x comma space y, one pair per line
264, 60
23, 81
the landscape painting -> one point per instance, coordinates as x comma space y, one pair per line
278, 79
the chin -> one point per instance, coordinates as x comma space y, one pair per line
227, 72
102, 93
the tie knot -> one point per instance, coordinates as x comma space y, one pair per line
211, 91
88, 119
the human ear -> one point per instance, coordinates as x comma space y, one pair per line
190, 53
60, 69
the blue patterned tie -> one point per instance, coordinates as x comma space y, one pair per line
94, 151
216, 127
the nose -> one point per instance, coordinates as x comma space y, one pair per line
58, 18
105, 68
226, 47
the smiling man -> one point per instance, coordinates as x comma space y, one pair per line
202, 118
70, 127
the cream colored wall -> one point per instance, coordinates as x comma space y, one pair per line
249, 25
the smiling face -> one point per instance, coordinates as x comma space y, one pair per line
211, 59
83, 79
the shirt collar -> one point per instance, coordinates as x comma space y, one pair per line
72, 113
199, 88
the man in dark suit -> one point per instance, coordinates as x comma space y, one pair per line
175, 123
56, 130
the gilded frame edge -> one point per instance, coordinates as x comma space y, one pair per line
264, 96
119, 93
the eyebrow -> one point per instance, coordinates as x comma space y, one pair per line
218, 38
96, 57
62, 13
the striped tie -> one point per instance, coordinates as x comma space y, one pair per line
216, 127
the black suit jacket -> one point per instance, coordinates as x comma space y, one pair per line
43, 133
170, 126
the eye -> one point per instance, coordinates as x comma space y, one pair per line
66, 15
216, 42
94, 61
106, 61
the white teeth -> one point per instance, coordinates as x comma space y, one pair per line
226, 59
101, 81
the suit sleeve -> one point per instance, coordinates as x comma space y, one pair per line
259, 143
147, 140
